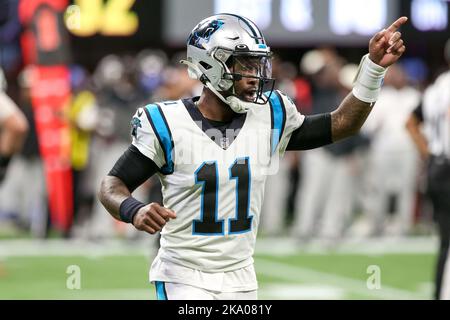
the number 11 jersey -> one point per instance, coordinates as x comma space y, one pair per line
213, 179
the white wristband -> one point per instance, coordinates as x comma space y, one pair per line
368, 80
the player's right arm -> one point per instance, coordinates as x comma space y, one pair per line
138, 163
115, 195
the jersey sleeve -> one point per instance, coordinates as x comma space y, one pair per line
145, 139
285, 119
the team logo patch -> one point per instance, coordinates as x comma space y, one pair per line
135, 124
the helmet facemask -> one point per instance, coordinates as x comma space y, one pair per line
255, 72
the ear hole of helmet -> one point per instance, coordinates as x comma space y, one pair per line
229, 62
205, 65
226, 85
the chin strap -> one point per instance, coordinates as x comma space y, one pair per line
236, 104
239, 106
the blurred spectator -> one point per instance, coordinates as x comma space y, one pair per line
433, 145
393, 161
176, 83
117, 97
326, 198
21, 194
13, 128
150, 65
83, 118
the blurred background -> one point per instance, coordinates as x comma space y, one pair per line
78, 70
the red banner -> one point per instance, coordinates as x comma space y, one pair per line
44, 46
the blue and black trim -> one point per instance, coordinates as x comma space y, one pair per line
278, 119
161, 293
162, 131
209, 224
241, 172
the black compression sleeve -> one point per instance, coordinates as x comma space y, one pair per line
133, 168
314, 132
418, 112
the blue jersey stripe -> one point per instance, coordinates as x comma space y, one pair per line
162, 131
160, 291
278, 118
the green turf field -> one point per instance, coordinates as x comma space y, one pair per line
301, 275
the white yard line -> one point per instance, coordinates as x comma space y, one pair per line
288, 272
372, 246
24, 248
271, 246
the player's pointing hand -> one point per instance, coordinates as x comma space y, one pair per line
152, 218
387, 46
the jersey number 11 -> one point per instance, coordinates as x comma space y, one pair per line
207, 176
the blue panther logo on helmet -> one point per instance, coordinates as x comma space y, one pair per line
203, 32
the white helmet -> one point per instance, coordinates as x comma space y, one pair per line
219, 42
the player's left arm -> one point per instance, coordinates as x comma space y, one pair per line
385, 48
315, 131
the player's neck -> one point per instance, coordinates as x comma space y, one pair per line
213, 108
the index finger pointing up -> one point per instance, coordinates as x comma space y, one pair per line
397, 24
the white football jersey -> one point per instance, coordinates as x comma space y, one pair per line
216, 193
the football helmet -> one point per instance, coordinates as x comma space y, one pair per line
226, 48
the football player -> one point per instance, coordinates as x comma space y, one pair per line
212, 154
13, 128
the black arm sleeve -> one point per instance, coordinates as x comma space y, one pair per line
314, 132
418, 112
133, 168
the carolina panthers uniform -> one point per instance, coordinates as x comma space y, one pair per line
215, 187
